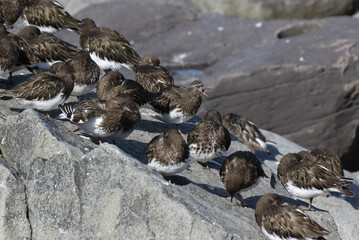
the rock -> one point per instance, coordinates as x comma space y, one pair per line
303, 72
73, 188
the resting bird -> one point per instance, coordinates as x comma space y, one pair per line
108, 48
49, 16
307, 179
44, 91
115, 118
285, 221
151, 75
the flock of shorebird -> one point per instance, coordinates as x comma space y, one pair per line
60, 69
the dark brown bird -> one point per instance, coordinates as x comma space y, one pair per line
241, 171
11, 10
151, 75
113, 83
85, 71
108, 48
168, 153
9, 53
246, 132
304, 178
49, 16
178, 104
329, 159
285, 221
47, 48
209, 138
115, 118
44, 91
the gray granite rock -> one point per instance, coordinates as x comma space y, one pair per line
75, 189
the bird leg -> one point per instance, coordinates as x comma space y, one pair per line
10, 76
208, 168
169, 179
241, 200
47, 114
309, 207
99, 140
114, 142
326, 194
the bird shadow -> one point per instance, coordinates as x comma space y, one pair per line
354, 201
178, 180
154, 126
135, 149
17, 79
262, 156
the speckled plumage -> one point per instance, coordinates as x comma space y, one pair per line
113, 83
151, 75
240, 171
108, 48
285, 221
246, 132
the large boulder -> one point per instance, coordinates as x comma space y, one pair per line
297, 78
60, 185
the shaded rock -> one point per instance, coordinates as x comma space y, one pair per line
77, 189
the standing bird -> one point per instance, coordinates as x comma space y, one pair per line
49, 16
285, 221
11, 10
9, 53
241, 171
47, 48
178, 104
151, 75
44, 91
209, 138
246, 132
115, 118
168, 153
307, 179
113, 83
108, 48
85, 71
329, 159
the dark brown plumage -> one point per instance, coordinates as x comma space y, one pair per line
178, 104
241, 171
85, 71
246, 132
44, 91
304, 178
9, 53
113, 83
11, 10
285, 221
151, 75
168, 153
108, 48
115, 118
49, 16
209, 138
47, 48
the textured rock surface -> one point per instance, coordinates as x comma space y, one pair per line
296, 78
67, 187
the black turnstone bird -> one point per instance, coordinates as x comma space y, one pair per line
246, 132
113, 83
9, 54
85, 71
304, 178
26, 56
115, 118
285, 221
241, 171
151, 75
44, 91
11, 10
47, 48
168, 153
329, 159
49, 16
209, 138
179, 104
108, 48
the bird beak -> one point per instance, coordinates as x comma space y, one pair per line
204, 93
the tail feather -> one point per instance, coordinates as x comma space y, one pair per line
346, 192
67, 110
6, 95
